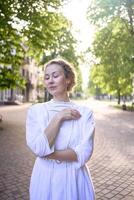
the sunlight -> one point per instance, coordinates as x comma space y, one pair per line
75, 11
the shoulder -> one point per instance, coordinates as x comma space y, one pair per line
37, 107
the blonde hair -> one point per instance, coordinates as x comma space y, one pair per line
68, 69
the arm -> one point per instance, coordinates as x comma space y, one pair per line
83, 151
52, 129
70, 155
35, 137
63, 155
39, 140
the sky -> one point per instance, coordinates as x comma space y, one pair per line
75, 11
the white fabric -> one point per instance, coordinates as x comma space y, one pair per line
50, 179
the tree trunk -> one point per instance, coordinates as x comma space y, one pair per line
119, 97
12, 95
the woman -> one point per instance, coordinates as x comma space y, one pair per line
61, 134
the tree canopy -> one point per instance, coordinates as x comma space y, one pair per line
32, 28
100, 12
113, 47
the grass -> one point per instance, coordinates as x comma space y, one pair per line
127, 106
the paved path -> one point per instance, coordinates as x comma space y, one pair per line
112, 163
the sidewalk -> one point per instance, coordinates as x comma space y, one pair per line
16, 160
111, 166
14, 107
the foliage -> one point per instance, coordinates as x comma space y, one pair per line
64, 46
101, 12
46, 34
10, 78
113, 47
20, 30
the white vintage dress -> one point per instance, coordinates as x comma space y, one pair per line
52, 179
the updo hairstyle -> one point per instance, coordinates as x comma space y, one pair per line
67, 68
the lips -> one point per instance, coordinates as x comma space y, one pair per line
52, 87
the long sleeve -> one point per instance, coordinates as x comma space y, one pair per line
85, 148
35, 136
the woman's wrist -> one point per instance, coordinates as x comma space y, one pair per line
63, 155
58, 118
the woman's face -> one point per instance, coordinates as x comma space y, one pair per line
55, 80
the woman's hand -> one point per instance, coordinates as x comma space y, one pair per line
68, 114
52, 129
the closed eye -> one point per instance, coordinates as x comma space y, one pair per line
47, 77
55, 76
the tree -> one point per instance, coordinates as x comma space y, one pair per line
101, 12
113, 45
33, 28
64, 47
18, 24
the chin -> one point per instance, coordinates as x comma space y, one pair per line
53, 93
56, 92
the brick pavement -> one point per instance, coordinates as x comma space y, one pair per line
16, 160
112, 163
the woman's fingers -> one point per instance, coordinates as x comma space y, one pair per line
75, 114
69, 114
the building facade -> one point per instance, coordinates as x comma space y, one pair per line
33, 76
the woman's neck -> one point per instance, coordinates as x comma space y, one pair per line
61, 98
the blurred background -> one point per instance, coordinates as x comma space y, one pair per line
97, 37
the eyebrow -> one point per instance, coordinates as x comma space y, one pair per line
53, 72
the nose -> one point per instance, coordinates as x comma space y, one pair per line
50, 79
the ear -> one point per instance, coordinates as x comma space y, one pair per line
67, 81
